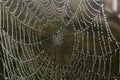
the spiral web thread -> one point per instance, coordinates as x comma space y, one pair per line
95, 52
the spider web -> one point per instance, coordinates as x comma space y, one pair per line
49, 40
